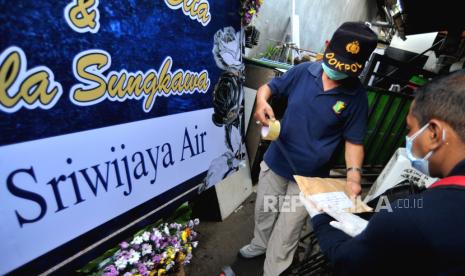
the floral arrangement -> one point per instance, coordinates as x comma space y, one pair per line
163, 250
249, 8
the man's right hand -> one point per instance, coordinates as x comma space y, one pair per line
263, 112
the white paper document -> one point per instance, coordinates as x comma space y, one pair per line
334, 200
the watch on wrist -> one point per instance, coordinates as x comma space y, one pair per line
356, 169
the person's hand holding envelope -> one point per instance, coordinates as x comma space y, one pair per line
331, 196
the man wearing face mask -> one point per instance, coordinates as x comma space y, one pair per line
416, 239
326, 104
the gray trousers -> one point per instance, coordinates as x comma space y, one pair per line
279, 218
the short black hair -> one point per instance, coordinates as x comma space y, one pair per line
444, 99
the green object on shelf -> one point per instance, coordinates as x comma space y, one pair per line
270, 52
268, 63
418, 80
386, 128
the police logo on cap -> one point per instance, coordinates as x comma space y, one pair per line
353, 47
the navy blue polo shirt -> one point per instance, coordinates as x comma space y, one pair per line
315, 121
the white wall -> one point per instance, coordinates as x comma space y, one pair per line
318, 20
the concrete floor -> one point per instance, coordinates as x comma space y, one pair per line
219, 243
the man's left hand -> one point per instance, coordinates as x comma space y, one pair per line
348, 223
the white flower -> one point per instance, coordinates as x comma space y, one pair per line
170, 265
127, 274
146, 236
121, 263
196, 221
188, 258
166, 230
137, 240
133, 257
149, 264
227, 49
146, 249
194, 244
157, 233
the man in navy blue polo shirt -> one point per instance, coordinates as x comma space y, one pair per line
409, 238
326, 103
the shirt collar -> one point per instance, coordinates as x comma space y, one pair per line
459, 169
315, 69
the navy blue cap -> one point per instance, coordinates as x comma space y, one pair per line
350, 47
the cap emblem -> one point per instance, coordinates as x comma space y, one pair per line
353, 47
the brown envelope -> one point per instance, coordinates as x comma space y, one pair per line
317, 185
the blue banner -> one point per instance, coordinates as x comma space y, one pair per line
136, 36
106, 109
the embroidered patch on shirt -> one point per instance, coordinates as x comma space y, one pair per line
339, 107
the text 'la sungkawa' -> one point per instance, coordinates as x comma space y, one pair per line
36, 87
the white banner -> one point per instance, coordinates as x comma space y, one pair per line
64, 186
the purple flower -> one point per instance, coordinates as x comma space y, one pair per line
174, 240
110, 271
156, 259
164, 244
156, 241
176, 226
247, 18
124, 254
124, 245
142, 269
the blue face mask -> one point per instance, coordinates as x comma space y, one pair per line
333, 74
420, 164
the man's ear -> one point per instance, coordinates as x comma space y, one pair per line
436, 128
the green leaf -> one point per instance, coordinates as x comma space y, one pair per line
93, 266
